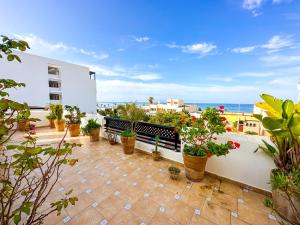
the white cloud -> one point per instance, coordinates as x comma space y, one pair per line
141, 39
252, 4
244, 49
219, 78
281, 60
147, 77
140, 91
201, 48
43, 47
274, 44
256, 74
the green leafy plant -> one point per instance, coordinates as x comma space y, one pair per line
28, 172
199, 134
150, 100
58, 111
282, 121
51, 115
74, 116
92, 124
173, 119
134, 114
174, 169
111, 112
24, 114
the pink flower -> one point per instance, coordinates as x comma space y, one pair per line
237, 145
221, 107
200, 139
221, 110
228, 129
194, 119
209, 155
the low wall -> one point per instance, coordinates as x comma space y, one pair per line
241, 165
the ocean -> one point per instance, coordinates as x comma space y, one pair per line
242, 108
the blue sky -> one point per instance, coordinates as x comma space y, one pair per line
227, 51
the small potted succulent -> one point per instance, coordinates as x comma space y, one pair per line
174, 172
112, 138
51, 117
59, 122
23, 119
92, 128
156, 152
199, 136
73, 120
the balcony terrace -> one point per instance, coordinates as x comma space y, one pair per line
114, 188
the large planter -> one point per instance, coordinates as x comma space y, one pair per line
74, 130
23, 125
51, 123
128, 144
94, 134
283, 207
194, 167
59, 125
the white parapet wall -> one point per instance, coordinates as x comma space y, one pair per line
241, 165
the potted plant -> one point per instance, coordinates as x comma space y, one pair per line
51, 117
59, 122
74, 120
134, 114
112, 138
156, 152
92, 128
174, 172
282, 122
199, 136
23, 119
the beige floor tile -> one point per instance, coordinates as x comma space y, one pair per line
255, 200
237, 221
193, 199
101, 193
88, 216
84, 200
179, 212
162, 196
176, 186
203, 189
251, 215
125, 217
216, 214
161, 219
111, 206
145, 208
199, 220
224, 200
231, 189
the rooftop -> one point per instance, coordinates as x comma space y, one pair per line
114, 188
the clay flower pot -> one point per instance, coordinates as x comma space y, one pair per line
194, 167
156, 155
94, 134
23, 125
74, 130
59, 125
51, 123
128, 144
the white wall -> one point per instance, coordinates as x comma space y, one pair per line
241, 165
77, 88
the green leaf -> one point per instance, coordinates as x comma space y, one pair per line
10, 57
17, 218
275, 104
272, 123
287, 109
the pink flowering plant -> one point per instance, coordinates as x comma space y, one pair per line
199, 134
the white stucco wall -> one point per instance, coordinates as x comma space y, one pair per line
241, 165
76, 86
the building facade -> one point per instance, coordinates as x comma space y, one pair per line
50, 81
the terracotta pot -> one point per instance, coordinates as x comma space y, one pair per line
74, 130
194, 167
156, 156
51, 123
284, 208
59, 125
128, 144
174, 176
94, 134
23, 125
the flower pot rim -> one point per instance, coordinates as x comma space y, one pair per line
194, 156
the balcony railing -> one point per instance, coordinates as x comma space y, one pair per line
146, 132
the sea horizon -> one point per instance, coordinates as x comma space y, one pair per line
229, 107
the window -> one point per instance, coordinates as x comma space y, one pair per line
53, 70
54, 97
92, 75
54, 84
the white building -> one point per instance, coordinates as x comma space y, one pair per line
51, 81
173, 105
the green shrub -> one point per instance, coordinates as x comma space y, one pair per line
127, 133
74, 116
92, 124
51, 115
58, 111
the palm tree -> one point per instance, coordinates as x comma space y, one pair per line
150, 100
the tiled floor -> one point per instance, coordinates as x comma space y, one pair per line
114, 188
